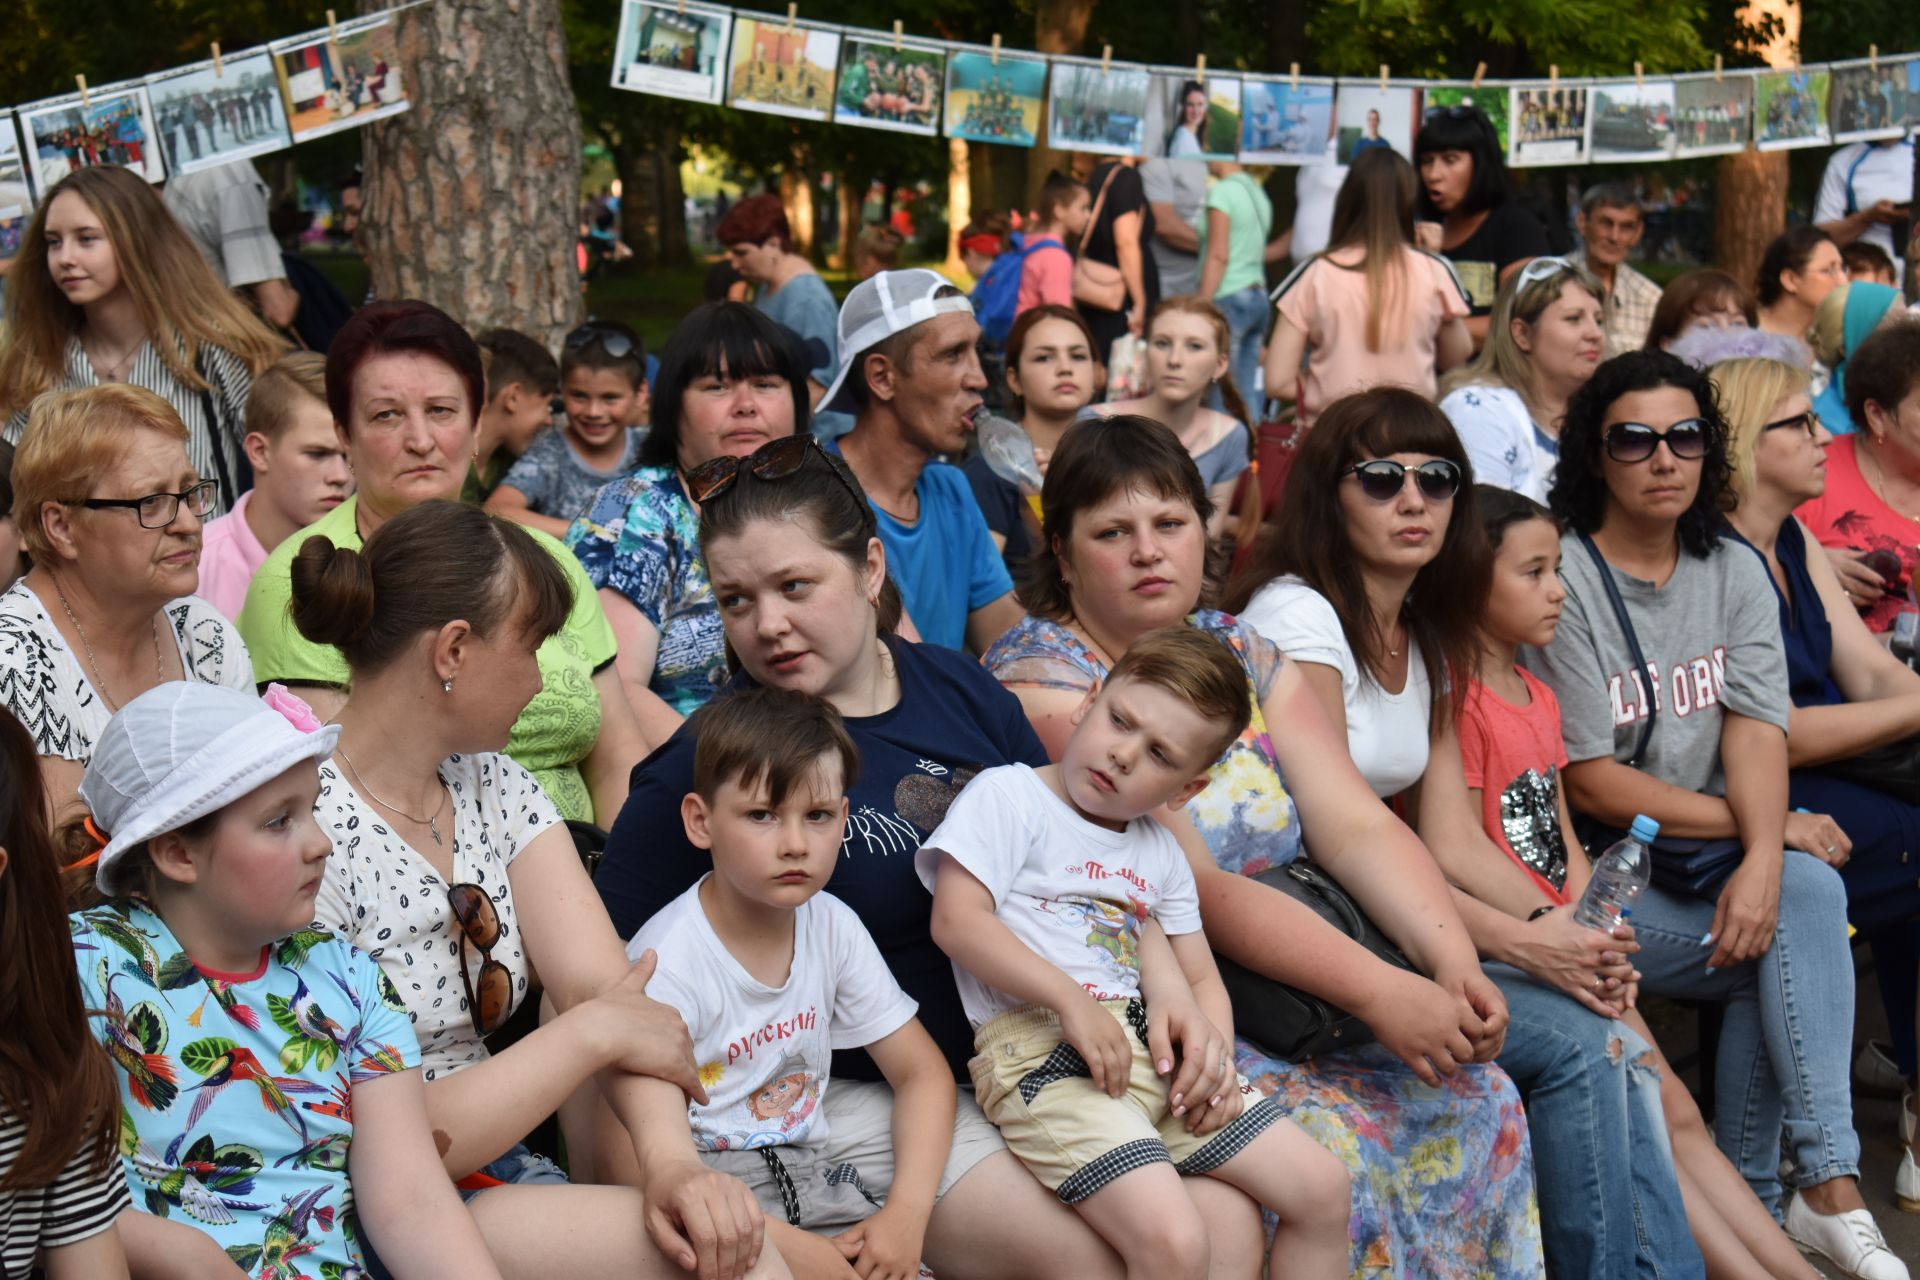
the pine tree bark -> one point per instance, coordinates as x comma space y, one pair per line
1749, 210
1059, 26
472, 196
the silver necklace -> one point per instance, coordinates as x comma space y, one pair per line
159, 670
112, 372
432, 820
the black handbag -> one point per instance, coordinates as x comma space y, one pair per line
1893, 768
1691, 868
1286, 1022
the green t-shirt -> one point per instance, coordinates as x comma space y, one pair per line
555, 732
1249, 218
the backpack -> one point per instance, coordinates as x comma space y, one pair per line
996, 298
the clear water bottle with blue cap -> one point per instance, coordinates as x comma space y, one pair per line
1620, 875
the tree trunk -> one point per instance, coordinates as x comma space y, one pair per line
639, 217
670, 197
850, 193
1059, 26
472, 195
959, 203
796, 196
1749, 210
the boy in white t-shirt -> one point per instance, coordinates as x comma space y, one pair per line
772, 976
1057, 898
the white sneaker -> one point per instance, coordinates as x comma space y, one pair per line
1874, 1071
1906, 1183
1851, 1241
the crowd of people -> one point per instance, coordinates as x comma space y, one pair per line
415, 743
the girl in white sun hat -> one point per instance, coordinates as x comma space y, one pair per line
267, 1070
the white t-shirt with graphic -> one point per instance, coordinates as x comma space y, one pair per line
764, 1051
1075, 892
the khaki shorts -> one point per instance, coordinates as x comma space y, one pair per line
1075, 1139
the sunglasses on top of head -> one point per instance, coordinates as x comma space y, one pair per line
612, 341
1382, 479
1687, 439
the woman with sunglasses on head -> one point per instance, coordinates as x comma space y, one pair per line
1126, 552
1699, 744
110, 508
800, 577
1508, 404
1853, 701
405, 386
454, 870
115, 291
730, 381
1483, 231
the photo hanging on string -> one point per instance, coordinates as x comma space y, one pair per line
1876, 100
16, 202
1549, 125
782, 70
887, 84
1790, 109
1095, 110
1633, 121
1713, 114
330, 85
206, 116
995, 101
1285, 123
1489, 100
113, 125
674, 50
1189, 119
1368, 116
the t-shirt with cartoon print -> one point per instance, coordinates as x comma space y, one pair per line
765, 1052
1072, 890
236, 1089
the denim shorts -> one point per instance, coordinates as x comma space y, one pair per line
519, 1166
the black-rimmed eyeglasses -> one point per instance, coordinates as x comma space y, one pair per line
1808, 422
159, 510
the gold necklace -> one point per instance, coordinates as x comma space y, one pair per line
159, 670
432, 820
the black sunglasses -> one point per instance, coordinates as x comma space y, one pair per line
775, 460
1808, 422
1688, 438
158, 510
1382, 479
480, 925
612, 341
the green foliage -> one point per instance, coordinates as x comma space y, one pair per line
203, 1056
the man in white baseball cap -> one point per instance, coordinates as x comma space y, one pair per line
911, 378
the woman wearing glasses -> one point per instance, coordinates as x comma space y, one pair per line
799, 575
404, 383
1698, 743
1799, 270
1545, 343
1853, 701
110, 509
1124, 552
452, 868
730, 381
121, 294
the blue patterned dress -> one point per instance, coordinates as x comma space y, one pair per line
1442, 1178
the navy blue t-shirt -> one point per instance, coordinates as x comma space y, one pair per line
952, 721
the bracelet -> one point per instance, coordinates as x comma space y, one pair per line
1540, 911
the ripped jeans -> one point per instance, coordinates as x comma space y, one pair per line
1610, 1205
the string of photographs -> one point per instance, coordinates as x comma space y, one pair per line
226, 108
819, 71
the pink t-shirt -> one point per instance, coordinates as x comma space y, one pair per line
1850, 514
229, 556
1327, 298
1046, 276
1513, 756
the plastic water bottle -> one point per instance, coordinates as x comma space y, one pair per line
1619, 876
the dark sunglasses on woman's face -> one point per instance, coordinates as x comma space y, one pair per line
1382, 479
1636, 441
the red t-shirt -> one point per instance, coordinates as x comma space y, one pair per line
1850, 514
1513, 756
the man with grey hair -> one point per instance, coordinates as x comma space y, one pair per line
1610, 223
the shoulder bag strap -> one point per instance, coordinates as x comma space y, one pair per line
216, 432
1648, 695
1093, 218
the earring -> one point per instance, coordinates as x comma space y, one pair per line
446, 686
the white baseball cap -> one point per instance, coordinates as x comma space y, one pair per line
184, 749
888, 303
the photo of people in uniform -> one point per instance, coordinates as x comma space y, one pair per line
206, 116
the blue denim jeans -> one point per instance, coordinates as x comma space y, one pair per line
1610, 1205
1787, 1031
1246, 313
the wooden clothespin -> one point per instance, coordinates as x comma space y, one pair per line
1106, 59
996, 48
333, 29
1719, 67
680, 7
793, 12
218, 69
86, 98
1478, 72
1639, 76
1383, 77
1293, 75
1200, 69
896, 35
1553, 77
1873, 58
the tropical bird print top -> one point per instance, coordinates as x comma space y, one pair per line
236, 1088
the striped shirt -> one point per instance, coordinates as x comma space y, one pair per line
81, 1203
227, 400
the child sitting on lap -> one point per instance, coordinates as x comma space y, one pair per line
772, 976
1056, 896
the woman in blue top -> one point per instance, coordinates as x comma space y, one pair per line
800, 578
1850, 695
730, 381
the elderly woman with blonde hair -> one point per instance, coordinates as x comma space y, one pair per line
110, 510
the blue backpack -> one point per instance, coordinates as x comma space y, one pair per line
996, 297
